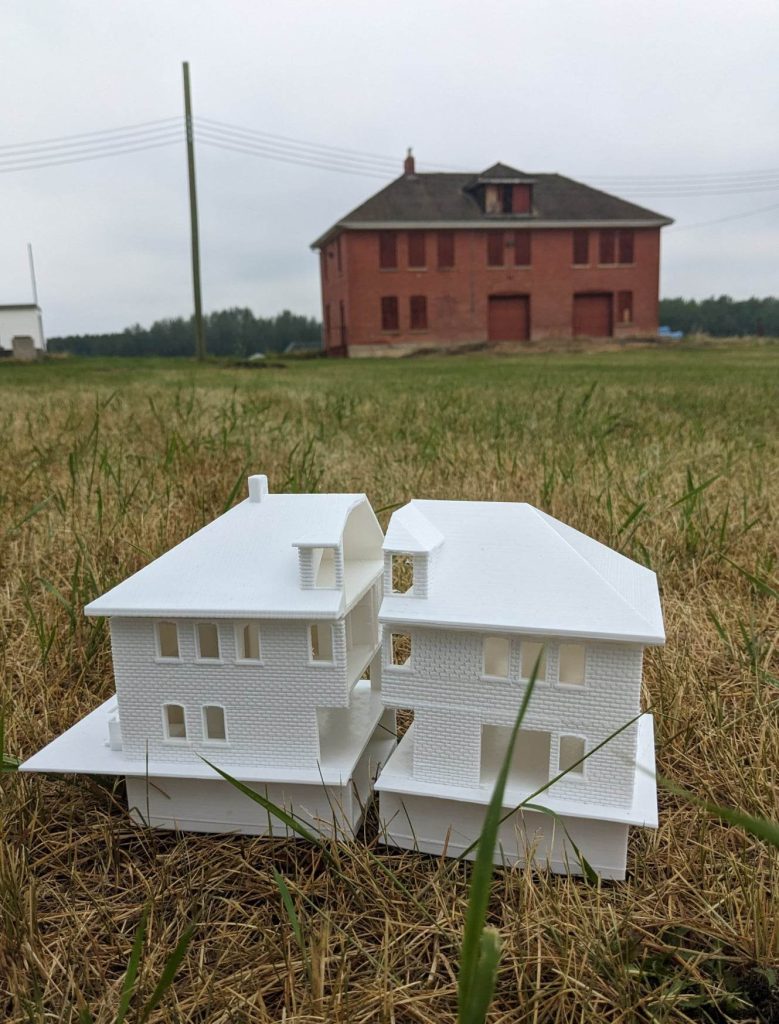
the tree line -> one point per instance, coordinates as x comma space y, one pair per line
722, 317
229, 332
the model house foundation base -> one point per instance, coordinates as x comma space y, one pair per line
447, 820
191, 797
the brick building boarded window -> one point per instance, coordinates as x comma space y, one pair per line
338, 254
522, 249
520, 199
388, 250
445, 249
389, 313
607, 250
581, 246
494, 248
624, 307
625, 246
418, 312
417, 256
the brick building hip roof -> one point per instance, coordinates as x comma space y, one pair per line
449, 199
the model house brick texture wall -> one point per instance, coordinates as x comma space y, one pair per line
444, 683
270, 708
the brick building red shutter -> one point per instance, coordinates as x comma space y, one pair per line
338, 254
607, 246
581, 246
494, 248
522, 249
389, 313
388, 250
625, 246
417, 256
445, 249
418, 312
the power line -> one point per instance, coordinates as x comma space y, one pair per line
76, 150
67, 139
95, 156
270, 154
722, 220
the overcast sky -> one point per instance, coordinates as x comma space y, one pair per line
588, 88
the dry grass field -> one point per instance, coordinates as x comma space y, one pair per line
669, 456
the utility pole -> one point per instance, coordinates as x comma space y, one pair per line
32, 274
200, 340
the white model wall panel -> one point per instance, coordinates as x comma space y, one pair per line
444, 684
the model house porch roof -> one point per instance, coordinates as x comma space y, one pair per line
245, 564
508, 567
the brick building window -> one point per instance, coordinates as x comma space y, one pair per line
323, 262
607, 246
445, 250
338, 262
417, 254
418, 312
327, 325
624, 307
342, 319
494, 248
625, 246
581, 247
388, 250
522, 249
389, 313
520, 199
506, 198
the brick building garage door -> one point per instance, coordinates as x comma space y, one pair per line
509, 318
592, 315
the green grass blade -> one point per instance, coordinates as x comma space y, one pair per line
172, 964
763, 828
588, 870
759, 584
484, 979
131, 974
294, 920
483, 865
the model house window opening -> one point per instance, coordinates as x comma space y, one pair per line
496, 656
207, 641
390, 320
400, 648
320, 636
324, 567
417, 250
402, 574
249, 642
522, 249
572, 751
388, 250
529, 653
495, 248
214, 723
418, 312
581, 247
168, 640
445, 250
624, 307
175, 722
573, 663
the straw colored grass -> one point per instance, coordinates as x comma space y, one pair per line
669, 456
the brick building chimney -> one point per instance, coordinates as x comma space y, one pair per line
408, 163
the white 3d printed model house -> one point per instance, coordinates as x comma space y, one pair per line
247, 644
495, 585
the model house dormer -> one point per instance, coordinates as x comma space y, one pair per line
410, 549
503, 191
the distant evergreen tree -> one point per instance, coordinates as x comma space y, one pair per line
229, 332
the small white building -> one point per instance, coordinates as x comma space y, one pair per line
21, 321
489, 588
247, 645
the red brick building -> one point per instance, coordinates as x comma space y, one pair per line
457, 259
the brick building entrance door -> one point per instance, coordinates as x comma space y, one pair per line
509, 318
592, 315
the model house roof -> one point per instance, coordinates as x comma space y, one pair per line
450, 200
510, 567
245, 564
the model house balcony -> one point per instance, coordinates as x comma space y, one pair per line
362, 636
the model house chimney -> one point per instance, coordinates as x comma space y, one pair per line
258, 487
408, 163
